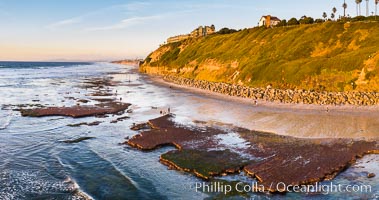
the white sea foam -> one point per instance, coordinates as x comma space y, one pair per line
5, 119
20, 184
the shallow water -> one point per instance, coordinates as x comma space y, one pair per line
35, 163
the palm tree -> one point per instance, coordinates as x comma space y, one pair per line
367, 9
324, 15
334, 11
376, 8
358, 2
344, 6
332, 16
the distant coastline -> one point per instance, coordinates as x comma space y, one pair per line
134, 62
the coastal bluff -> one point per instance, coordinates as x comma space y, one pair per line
331, 63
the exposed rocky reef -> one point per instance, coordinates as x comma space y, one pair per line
204, 164
268, 157
299, 161
95, 123
120, 119
18, 107
137, 127
98, 88
77, 111
101, 82
78, 140
282, 95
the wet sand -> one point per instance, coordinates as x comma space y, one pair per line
297, 120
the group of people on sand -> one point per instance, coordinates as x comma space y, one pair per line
163, 112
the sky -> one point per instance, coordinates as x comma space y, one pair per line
104, 30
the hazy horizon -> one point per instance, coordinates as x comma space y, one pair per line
85, 30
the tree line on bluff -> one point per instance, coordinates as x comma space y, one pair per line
306, 20
309, 20
345, 18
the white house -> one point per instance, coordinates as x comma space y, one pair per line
268, 21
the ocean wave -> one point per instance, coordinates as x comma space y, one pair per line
29, 184
5, 120
78, 194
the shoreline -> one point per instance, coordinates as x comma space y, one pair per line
297, 120
278, 106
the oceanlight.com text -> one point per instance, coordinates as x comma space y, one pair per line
324, 188
221, 187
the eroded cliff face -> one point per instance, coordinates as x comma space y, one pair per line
322, 57
210, 70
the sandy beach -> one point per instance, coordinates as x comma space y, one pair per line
299, 120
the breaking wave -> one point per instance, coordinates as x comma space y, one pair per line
5, 120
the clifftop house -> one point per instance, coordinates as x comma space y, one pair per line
268, 21
198, 32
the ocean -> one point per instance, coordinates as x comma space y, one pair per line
35, 163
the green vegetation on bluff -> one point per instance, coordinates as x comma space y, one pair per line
333, 56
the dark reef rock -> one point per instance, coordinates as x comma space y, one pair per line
77, 140
208, 163
77, 111
85, 124
120, 119
268, 157
83, 101
371, 175
137, 127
